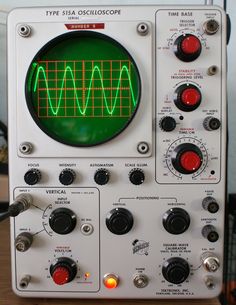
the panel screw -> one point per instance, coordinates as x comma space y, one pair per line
26, 148
24, 30
143, 147
142, 28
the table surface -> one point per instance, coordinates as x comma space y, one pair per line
3, 188
7, 297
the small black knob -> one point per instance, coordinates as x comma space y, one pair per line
187, 97
101, 176
211, 123
136, 176
176, 221
210, 204
63, 270
209, 232
32, 176
187, 47
62, 221
119, 221
167, 123
67, 176
175, 270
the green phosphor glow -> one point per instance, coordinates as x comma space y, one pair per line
83, 88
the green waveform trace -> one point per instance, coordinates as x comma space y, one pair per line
85, 101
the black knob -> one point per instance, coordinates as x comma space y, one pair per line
119, 221
32, 176
209, 232
62, 221
136, 176
167, 123
210, 204
211, 123
187, 158
187, 97
176, 221
101, 176
175, 270
67, 176
63, 270
187, 47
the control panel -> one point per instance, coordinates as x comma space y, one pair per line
117, 140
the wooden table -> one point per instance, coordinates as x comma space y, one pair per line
7, 297
3, 188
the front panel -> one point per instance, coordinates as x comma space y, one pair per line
117, 124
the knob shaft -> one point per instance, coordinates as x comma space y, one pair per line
67, 176
62, 221
187, 97
176, 221
63, 270
32, 176
136, 176
187, 158
175, 270
187, 47
119, 221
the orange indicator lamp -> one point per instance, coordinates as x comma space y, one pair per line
110, 281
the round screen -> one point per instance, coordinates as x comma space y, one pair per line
83, 88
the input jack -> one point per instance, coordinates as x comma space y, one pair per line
24, 282
23, 242
209, 281
210, 261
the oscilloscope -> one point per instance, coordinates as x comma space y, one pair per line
117, 150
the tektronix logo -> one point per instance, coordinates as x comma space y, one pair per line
140, 247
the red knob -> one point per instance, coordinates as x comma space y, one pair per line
190, 97
190, 45
61, 276
187, 47
190, 161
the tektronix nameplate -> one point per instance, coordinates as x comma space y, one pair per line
117, 130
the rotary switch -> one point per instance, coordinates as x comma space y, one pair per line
32, 176
167, 123
119, 221
176, 221
62, 221
175, 270
187, 97
63, 270
67, 176
187, 158
187, 47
